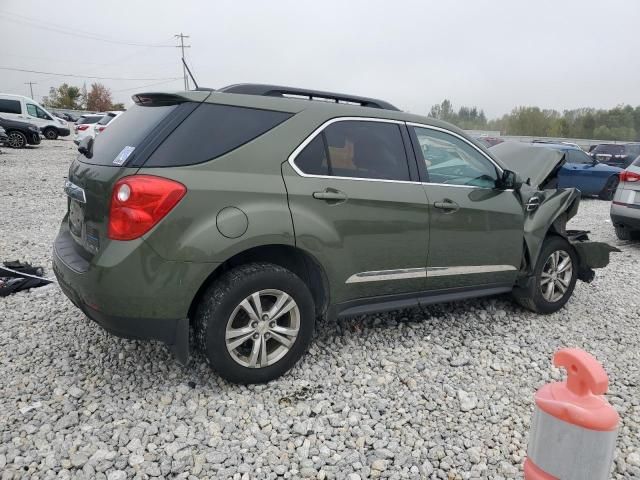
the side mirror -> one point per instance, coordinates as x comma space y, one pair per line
509, 180
86, 147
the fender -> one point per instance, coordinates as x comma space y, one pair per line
547, 212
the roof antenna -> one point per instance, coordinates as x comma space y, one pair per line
190, 74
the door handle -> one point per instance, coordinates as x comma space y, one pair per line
447, 205
330, 195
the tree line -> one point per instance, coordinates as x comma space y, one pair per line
619, 123
97, 99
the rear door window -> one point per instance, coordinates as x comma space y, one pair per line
118, 142
357, 149
210, 131
10, 106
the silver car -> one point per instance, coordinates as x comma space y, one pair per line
625, 207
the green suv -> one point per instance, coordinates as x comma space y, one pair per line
245, 214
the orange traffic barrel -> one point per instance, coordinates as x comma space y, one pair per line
574, 428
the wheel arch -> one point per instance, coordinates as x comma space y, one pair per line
294, 259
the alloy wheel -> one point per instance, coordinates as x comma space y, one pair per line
555, 277
262, 328
15, 140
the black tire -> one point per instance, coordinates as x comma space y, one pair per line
50, 133
16, 139
609, 189
623, 233
532, 297
223, 298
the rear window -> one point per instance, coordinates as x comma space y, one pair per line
88, 120
117, 143
211, 131
633, 150
10, 106
106, 119
609, 149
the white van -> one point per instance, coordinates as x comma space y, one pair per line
24, 109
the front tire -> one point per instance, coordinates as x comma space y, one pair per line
16, 139
255, 322
50, 133
609, 189
554, 278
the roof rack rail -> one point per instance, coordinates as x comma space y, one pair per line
291, 92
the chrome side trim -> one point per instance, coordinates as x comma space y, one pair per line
408, 273
467, 270
317, 131
376, 276
439, 129
74, 191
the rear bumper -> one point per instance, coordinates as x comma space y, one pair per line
630, 221
130, 291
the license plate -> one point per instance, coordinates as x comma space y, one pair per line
76, 218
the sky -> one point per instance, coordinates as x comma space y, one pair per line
493, 54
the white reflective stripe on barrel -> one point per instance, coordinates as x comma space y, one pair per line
569, 452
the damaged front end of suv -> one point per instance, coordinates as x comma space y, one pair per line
548, 209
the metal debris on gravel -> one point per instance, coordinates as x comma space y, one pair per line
444, 392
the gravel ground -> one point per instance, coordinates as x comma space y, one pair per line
443, 392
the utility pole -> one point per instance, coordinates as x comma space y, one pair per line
182, 46
31, 84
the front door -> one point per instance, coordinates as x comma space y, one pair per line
37, 116
357, 209
476, 236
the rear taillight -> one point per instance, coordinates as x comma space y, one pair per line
139, 202
82, 127
627, 176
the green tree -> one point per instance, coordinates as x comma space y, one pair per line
65, 96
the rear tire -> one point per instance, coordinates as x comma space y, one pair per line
609, 189
241, 328
557, 266
16, 139
623, 233
50, 133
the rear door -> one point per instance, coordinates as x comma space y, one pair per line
357, 208
582, 172
476, 236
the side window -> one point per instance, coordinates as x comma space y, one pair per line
32, 110
10, 106
43, 114
312, 159
211, 131
578, 156
450, 160
357, 149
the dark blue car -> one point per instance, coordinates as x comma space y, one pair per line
585, 173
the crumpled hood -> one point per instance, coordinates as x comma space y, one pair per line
534, 163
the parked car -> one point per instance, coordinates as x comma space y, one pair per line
584, 173
249, 214
66, 116
104, 121
20, 134
84, 126
489, 141
625, 208
618, 155
17, 107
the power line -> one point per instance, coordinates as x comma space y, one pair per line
182, 46
84, 76
33, 23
